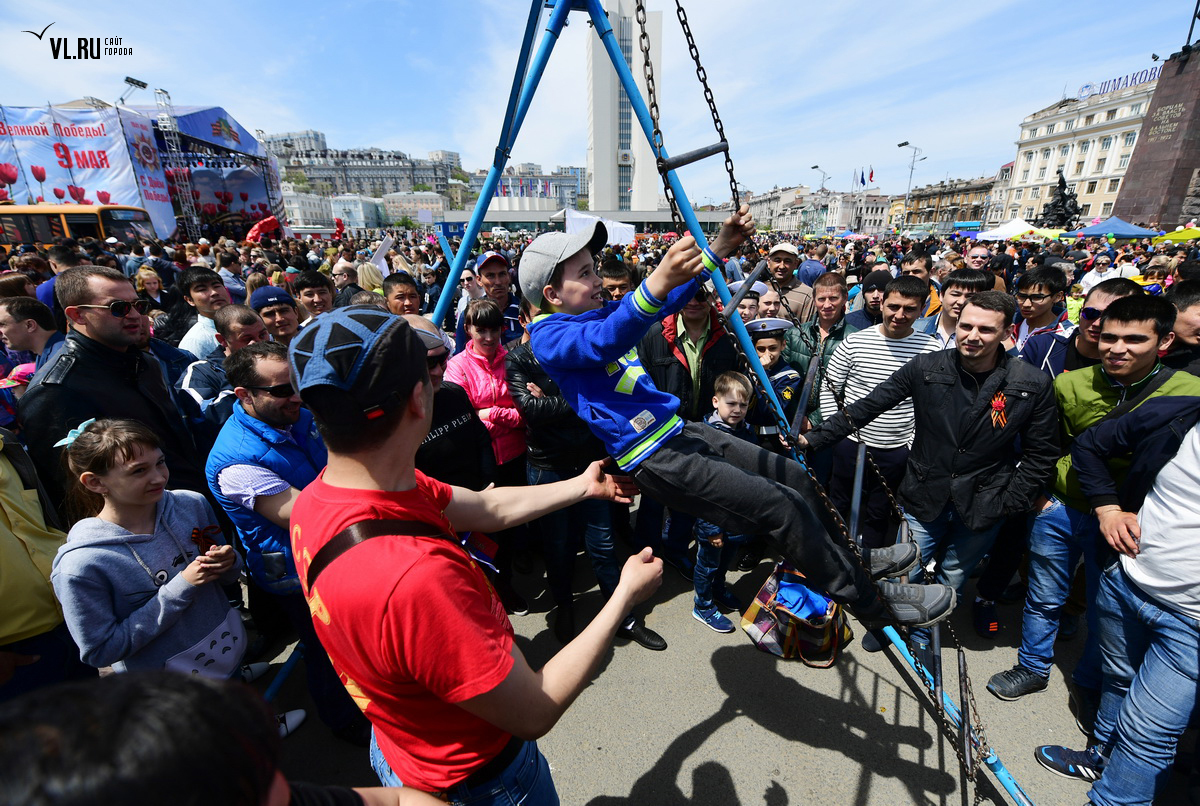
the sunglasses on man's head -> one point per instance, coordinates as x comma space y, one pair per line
280, 391
120, 308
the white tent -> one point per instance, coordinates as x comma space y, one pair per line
1012, 229
618, 233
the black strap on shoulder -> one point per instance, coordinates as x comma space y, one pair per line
1140, 397
362, 531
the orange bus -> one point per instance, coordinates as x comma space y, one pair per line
42, 223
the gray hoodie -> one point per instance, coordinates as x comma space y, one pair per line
127, 604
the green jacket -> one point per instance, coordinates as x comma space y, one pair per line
1084, 397
801, 344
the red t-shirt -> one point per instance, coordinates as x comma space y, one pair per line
412, 626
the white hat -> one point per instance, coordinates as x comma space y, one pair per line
759, 287
767, 324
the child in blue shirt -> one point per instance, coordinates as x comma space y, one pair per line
714, 549
589, 348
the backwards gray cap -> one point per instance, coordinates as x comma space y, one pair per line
541, 257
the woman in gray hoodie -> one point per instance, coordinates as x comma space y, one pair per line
136, 579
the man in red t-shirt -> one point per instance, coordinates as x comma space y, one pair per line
412, 624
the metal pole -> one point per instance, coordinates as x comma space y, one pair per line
860, 465
558, 19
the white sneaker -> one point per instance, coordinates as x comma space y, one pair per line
289, 721
252, 671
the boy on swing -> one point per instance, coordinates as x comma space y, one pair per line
589, 348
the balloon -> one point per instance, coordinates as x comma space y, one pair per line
1179, 228
1112, 240
1162, 232
1109, 235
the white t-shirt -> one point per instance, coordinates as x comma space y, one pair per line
863, 361
1168, 566
201, 338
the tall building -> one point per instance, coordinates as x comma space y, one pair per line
621, 167
952, 205
450, 158
1090, 138
284, 142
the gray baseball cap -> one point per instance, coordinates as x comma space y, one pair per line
540, 258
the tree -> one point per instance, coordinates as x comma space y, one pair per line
297, 178
406, 222
460, 175
581, 204
422, 188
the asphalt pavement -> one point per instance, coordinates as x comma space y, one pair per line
713, 721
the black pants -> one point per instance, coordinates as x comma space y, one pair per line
749, 491
875, 511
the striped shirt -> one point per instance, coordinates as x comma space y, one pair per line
862, 362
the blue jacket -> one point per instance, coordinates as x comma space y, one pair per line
1047, 352
247, 441
1156, 428
593, 357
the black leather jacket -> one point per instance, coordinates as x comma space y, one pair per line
85, 379
555, 438
965, 457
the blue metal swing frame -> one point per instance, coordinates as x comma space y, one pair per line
528, 75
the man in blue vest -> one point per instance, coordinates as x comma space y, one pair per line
267, 452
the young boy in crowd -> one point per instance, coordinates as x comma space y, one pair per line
589, 348
748, 307
769, 339
616, 278
1039, 308
714, 550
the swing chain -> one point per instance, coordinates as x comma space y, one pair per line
652, 102
702, 75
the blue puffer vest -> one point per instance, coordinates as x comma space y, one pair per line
246, 441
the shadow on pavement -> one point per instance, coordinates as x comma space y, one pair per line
757, 690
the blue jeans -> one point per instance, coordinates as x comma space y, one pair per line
1058, 535
956, 548
711, 565
558, 530
1151, 663
526, 781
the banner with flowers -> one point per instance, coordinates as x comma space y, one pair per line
148, 170
61, 155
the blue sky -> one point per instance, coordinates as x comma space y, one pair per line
797, 84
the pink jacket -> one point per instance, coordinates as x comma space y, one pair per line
487, 387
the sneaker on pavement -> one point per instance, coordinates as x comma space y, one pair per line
910, 605
892, 561
713, 619
1083, 765
253, 671
986, 619
724, 599
1016, 683
641, 634
289, 721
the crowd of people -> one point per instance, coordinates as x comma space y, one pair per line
194, 432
